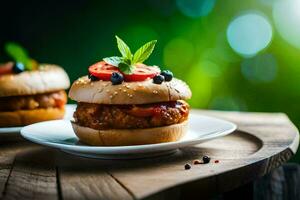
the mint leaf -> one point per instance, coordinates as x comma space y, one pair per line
127, 61
125, 68
18, 53
144, 52
114, 60
123, 48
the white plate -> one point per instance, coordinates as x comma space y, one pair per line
70, 108
59, 134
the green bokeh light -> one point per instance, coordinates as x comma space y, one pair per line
178, 55
201, 87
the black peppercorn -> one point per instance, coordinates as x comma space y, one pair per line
187, 166
205, 159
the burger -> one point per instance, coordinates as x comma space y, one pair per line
124, 102
31, 92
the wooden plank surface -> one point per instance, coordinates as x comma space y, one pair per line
263, 142
4, 174
32, 176
83, 178
9, 147
273, 135
91, 184
169, 171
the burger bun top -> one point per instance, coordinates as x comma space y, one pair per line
47, 78
141, 92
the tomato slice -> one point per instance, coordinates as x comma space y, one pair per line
6, 68
102, 70
141, 72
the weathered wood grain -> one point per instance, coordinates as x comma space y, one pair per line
4, 173
282, 183
32, 176
271, 147
8, 150
5, 167
164, 172
263, 142
91, 185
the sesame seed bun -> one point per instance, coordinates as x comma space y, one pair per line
125, 137
26, 117
47, 78
142, 92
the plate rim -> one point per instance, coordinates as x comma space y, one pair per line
133, 148
15, 129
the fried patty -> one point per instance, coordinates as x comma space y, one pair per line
102, 116
48, 100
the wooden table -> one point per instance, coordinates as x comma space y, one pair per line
262, 142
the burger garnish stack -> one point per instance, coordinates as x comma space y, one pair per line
30, 92
125, 102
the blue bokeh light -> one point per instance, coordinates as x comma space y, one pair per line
260, 69
249, 33
195, 8
286, 14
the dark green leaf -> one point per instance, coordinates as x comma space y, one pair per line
123, 48
114, 60
144, 52
18, 53
125, 68
127, 61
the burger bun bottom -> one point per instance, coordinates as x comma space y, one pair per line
126, 137
26, 117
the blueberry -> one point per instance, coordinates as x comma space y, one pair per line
167, 74
116, 78
206, 159
18, 68
158, 79
93, 78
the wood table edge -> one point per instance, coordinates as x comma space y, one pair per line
283, 156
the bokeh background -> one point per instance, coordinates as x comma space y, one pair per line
235, 55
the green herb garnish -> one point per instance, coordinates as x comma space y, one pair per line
126, 63
19, 54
